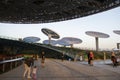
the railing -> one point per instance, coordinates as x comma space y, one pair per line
7, 64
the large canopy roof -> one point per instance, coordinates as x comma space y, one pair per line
44, 11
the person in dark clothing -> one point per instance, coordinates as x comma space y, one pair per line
91, 58
88, 55
62, 57
32, 61
43, 59
114, 59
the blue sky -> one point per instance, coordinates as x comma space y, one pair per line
104, 22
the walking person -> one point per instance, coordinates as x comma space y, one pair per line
91, 58
114, 59
32, 61
43, 59
25, 68
29, 67
34, 73
62, 57
88, 55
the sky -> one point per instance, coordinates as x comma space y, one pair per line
104, 22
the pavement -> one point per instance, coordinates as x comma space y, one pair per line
67, 70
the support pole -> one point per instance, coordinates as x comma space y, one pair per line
97, 41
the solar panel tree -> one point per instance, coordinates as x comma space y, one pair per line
97, 35
72, 41
50, 33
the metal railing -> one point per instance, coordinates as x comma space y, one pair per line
8, 64
6, 61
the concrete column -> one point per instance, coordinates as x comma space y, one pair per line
97, 43
118, 45
75, 58
49, 36
104, 56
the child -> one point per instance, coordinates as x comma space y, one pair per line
34, 75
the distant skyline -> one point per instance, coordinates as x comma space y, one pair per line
104, 22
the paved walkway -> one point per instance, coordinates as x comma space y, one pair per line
58, 70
